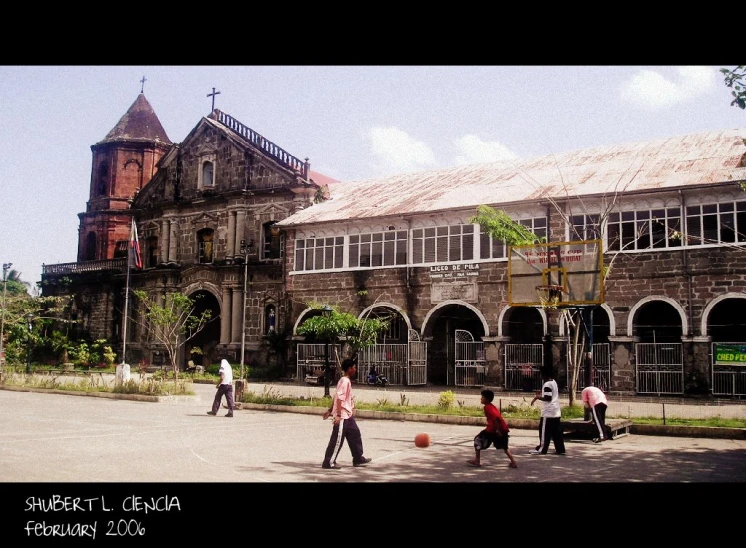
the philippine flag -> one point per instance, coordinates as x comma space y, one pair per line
135, 256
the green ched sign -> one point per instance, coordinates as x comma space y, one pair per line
730, 354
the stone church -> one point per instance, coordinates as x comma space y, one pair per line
205, 211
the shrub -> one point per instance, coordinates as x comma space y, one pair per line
446, 399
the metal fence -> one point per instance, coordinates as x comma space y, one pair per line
470, 366
659, 369
417, 372
522, 365
601, 368
390, 360
311, 359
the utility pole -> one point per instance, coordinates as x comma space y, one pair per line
246, 248
6, 267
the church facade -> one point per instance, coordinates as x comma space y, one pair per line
204, 210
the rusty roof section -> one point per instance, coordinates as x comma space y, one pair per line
689, 160
139, 123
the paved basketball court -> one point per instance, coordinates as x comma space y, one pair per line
266, 465
62, 438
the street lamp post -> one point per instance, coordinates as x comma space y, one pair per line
6, 267
30, 326
246, 248
326, 311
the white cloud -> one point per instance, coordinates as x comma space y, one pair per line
398, 152
650, 89
474, 151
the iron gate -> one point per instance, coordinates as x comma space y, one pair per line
470, 366
417, 365
522, 366
660, 368
728, 380
310, 360
601, 368
390, 360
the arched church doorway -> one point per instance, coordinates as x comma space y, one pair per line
201, 348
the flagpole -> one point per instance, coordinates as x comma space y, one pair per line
127, 292
126, 308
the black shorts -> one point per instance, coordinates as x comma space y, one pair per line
484, 439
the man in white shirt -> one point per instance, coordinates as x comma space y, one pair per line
224, 386
550, 427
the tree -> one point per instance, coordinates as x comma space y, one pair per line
501, 227
736, 80
45, 312
333, 325
173, 323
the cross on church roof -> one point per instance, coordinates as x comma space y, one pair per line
213, 94
142, 87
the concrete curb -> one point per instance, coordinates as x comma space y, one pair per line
109, 395
519, 424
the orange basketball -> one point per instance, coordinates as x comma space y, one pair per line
422, 439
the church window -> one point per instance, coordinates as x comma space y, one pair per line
273, 244
103, 180
151, 253
121, 249
204, 242
270, 318
90, 247
207, 172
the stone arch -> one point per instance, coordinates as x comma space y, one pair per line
426, 322
609, 314
392, 306
636, 308
504, 314
703, 328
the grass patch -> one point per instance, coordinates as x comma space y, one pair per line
94, 383
445, 407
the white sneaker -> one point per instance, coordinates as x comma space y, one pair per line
534, 452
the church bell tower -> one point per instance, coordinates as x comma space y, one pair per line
123, 162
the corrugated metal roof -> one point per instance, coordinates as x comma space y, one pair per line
696, 159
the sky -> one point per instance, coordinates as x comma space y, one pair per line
351, 122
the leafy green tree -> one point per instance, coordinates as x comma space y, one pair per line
44, 312
736, 80
15, 285
172, 323
334, 325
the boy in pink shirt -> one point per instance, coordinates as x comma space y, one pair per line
595, 400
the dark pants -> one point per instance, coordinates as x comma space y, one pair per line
551, 430
599, 417
226, 389
346, 430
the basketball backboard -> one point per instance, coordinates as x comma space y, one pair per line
575, 266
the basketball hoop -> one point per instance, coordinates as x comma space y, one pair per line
550, 295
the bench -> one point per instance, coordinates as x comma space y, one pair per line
615, 428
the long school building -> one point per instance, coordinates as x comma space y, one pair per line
671, 217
